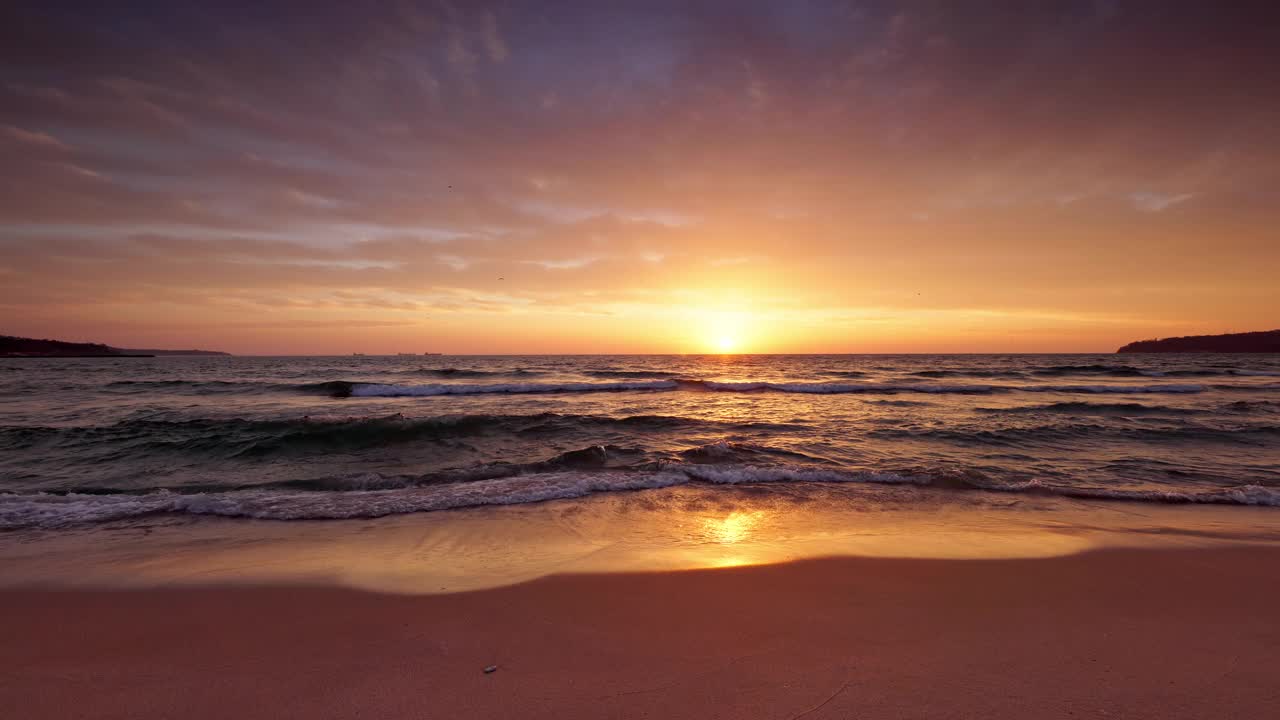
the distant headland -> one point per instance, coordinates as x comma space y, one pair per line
1250, 342
31, 347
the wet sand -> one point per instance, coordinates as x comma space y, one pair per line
1164, 634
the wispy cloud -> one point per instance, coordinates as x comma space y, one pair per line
1156, 202
519, 158
33, 138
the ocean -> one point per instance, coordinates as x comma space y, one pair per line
101, 440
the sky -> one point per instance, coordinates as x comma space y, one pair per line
599, 177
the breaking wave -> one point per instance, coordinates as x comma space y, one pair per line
370, 495
1093, 408
968, 373
243, 438
381, 390
229, 437
452, 372
356, 389
1258, 386
1050, 434
1093, 370
629, 374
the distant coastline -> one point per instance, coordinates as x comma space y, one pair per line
1250, 342
11, 346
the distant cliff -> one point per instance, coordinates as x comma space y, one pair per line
129, 351
1250, 342
30, 347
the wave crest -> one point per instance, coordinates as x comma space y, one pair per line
358, 389
371, 495
245, 438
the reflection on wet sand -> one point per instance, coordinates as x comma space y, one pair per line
734, 527
687, 527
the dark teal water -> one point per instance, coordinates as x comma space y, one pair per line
91, 440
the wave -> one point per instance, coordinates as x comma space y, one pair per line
748, 453
336, 388
1092, 408
1096, 369
343, 389
629, 374
196, 386
968, 373
899, 403
1238, 495
241, 438
1131, 371
44, 510
390, 390
1050, 434
1249, 406
1117, 371
1237, 372
1247, 387
823, 388
244, 438
452, 372
381, 390
371, 495
638, 381
1119, 389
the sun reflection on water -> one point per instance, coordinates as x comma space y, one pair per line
733, 528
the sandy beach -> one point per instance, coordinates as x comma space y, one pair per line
581, 360
1114, 633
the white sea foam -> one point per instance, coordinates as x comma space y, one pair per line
1241, 495
379, 390
820, 388
41, 510
51, 511
48, 510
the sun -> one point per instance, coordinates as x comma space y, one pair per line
721, 331
726, 344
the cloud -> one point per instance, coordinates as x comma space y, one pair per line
33, 138
419, 153
567, 264
454, 262
491, 37
1156, 202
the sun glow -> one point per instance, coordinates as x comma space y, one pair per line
724, 331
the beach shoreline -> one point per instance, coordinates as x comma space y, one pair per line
1174, 633
653, 530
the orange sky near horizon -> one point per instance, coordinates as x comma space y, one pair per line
509, 177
